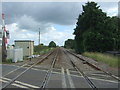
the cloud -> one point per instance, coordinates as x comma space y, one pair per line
58, 36
59, 13
111, 8
53, 35
119, 9
41, 13
24, 19
28, 23
31, 16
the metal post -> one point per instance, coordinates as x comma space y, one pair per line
39, 37
4, 51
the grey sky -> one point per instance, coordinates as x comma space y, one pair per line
29, 16
39, 14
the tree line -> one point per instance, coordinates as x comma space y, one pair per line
42, 47
95, 31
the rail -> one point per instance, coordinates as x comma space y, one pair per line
94, 66
91, 84
49, 72
41, 60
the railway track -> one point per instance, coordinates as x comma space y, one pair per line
53, 59
24, 71
94, 66
49, 72
90, 83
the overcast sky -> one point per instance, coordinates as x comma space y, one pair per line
56, 20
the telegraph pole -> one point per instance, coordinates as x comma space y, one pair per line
39, 37
4, 41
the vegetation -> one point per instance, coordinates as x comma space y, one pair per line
110, 60
95, 31
69, 44
52, 44
41, 49
8, 61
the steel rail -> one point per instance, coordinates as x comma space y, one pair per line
14, 70
41, 60
49, 72
90, 83
17, 68
96, 67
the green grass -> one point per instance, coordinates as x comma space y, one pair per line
42, 50
8, 61
108, 59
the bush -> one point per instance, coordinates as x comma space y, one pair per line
96, 41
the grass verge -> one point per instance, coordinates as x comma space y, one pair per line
108, 59
8, 61
43, 51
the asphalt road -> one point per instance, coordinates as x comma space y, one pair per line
62, 78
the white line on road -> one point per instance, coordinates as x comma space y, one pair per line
112, 81
20, 86
70, 79
22, 83
9, 65
80, 76
32, 86
17, 85
97, 79
63, 78
101, 75
14, 70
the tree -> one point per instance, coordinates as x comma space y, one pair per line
95, 31
52, 44
42, 44
69, 44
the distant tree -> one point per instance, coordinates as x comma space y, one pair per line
42, 44
69, 44
52, 44
39, 48
13, 45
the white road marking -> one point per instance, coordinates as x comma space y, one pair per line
38, 70
32, 86
17, 85
81, 76
29, 85
14, 70
3, 81
101, 75
10, 65
21, 86
71, 75
63, 78
97, 79
103, 80
70, 79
